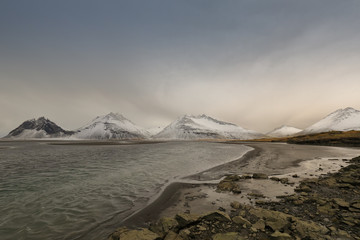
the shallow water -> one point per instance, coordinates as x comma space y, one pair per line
78, 192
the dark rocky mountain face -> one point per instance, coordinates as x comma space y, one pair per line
49, 127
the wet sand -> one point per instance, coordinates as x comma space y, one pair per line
197, 195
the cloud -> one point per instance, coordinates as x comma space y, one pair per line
257, 64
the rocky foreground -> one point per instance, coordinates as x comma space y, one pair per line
324, 208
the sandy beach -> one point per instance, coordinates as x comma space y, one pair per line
197, 193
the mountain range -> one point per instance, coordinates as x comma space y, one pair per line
187, 127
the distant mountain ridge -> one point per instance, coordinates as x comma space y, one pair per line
284, 131
38, 128
189, 127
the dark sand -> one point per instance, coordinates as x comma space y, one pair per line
270, 158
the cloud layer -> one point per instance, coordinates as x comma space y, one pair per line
258, 64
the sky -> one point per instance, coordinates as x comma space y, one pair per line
256, 63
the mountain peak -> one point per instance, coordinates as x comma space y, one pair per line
284, 131
344, 119
111, 126
204, 127
38, 128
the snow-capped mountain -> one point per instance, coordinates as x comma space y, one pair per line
204, 127
341, 120
38, 128
111, 126
284, 131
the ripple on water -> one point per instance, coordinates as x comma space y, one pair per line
64, 191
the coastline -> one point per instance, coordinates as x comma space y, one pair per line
202, 197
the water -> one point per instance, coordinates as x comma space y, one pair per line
78, 192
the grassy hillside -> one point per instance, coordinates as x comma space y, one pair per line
335, 138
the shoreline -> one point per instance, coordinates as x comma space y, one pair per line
165, 198
169, 202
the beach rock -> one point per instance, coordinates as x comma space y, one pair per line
280, 236
221, 209
310, 229
326, 209
139, 234
185, 219
232, 178
303, 188
260, 176
275, 179
355, 205
227, 185
236, 189
184, 234
235, 204
227, 236
246, 176
273, 219
284, 180
216, 216
173, 236
259, 225
163, 226
241, 221
256, 195
342, 203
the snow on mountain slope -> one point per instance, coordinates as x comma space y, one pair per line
341, 120
204, 127
111, 126
155, 130
38, 128
284, 131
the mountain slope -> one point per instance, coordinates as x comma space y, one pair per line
283, 131
204, 127
341, 120
38, 128
111, 126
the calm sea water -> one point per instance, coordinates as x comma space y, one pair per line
83, 192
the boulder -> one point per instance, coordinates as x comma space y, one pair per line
173, 236
139, 234
216, 216
260, 225
275, 179
229, 186
235, 205
241, 221
185, 219
227, 236
273, 219
260, 176
280, 236
310, 230
232, 178
341, 203
356, 205
284, 180
163, 226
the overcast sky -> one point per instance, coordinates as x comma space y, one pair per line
255, 63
